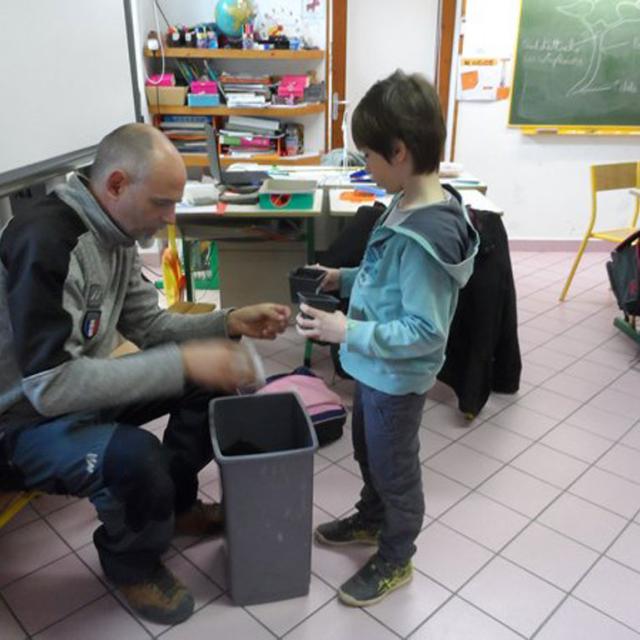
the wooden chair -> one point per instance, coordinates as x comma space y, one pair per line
607, 177
12, 503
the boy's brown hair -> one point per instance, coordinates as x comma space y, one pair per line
402, 107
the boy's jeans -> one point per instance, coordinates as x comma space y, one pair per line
386, 446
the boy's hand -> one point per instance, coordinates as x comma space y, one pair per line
263, 321
328, 327
331, 280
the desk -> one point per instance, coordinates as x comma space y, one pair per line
195, 223
338, 177
345, 208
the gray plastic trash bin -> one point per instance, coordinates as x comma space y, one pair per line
264, 445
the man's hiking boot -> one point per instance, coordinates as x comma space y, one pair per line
202, 519
161, 598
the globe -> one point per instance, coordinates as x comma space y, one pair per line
231, 16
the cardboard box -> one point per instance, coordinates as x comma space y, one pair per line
166, 96
239, 262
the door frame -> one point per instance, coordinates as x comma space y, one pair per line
336, 72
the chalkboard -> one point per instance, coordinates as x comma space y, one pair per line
577, 64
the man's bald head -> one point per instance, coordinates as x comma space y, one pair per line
138, 177
133, 148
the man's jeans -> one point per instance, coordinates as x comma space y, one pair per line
66, 455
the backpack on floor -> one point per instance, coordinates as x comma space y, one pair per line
324, 406
624, 274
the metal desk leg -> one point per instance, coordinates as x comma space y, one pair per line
186, 256
308, 348
311, 255
311, 240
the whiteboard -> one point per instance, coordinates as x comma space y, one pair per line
67, 80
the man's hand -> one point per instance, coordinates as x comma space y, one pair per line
218, 364
328, 327
331, 281
263, 321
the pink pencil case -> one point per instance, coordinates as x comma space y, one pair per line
161, 80
204, 86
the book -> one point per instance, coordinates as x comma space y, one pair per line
251, 123
246, 141
244, 78
248, 134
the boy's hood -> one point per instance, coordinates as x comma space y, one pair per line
445, 232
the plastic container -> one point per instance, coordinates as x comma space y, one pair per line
305, 280
322, 301
204, 86
161, 80
203, 100
264, 445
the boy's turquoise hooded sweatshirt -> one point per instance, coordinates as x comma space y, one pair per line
403, 297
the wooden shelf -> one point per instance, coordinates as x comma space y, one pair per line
201, 160
274, 112
238, 54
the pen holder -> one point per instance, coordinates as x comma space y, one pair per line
305, 280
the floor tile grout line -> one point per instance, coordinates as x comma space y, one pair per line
13, 615
197, 568
600, 611
567, 491
529, 518
86, 605
336, 463
169, 628
571, 593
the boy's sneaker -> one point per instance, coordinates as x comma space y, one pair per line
349, 530
162, 598
374, 581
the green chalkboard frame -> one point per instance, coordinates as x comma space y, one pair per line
577, 67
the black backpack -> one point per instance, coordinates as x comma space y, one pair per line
624, 274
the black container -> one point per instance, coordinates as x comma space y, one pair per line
305, 280
322, 301
264, 445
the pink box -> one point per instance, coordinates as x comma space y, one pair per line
204, 86
161, 80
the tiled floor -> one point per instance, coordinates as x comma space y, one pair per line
532, 527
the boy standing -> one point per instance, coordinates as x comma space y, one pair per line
402, 299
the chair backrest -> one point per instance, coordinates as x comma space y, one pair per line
620, 175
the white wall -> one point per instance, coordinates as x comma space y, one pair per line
542, 181
70, 89
383, 36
